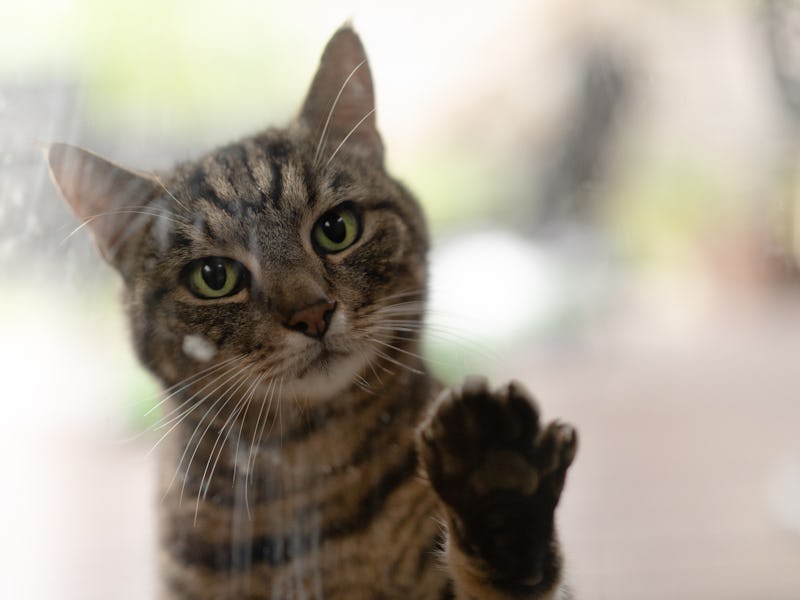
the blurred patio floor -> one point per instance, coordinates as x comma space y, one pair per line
688, 447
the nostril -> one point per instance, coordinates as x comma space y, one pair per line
300, 326
314, 320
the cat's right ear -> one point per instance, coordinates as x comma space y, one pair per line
340, 104
106, 197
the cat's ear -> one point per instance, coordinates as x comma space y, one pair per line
340, 105
106, 197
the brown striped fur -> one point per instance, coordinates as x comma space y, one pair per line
291, 467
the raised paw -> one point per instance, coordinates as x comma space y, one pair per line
499, 473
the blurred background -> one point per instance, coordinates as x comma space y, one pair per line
614, 191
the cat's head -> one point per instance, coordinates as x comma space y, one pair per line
292, 254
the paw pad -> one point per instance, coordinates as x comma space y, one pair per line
476, 443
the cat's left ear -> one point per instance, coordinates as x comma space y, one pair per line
340, 105
106, 197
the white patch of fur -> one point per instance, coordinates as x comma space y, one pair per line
324, 381
319, 382
199, 348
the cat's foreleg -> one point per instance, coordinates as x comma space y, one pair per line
499, 474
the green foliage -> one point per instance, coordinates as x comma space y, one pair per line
183, 60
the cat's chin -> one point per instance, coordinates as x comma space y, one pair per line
324, 369
325, 377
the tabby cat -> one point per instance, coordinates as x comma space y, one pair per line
276, 287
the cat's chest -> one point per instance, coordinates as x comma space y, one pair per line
291, 498
284, 471
317, 495
287, 533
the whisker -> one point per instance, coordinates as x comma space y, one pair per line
404, 294
252, 393
434, 332
280, 410
362, 384
323, 135
302, 407
269, 396
394, 361
168, 418
197, 427
254, 444
228, 424
371, 365
131, 211
215, 454
398, 349
347, 137
225, 400
414, 308
409, 309
205, 483
271, 390
178, 387
185, 409
157, 179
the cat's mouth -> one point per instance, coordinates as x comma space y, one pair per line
324, 367
324, 360
325, 373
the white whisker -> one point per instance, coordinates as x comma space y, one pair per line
324, 134
178, 387
394, 361
252, 393
255, 442
259, 426
143, 211
347, 137
398, 349
228, 424
199, 424
168, 419
225, 399
280, 409
186, 408
157, 179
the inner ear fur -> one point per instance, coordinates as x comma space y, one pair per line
109, 199
340, 105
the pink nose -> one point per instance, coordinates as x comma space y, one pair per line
313, 320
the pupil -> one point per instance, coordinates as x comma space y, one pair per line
215, 274
335, 229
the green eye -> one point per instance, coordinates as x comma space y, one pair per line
215, 277
337, 230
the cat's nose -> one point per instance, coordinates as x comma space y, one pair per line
313, 320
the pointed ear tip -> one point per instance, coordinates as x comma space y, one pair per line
346, 31
347, 27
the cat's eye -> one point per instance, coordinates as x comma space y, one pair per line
215, 277
337, 229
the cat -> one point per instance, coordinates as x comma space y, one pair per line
276, 288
